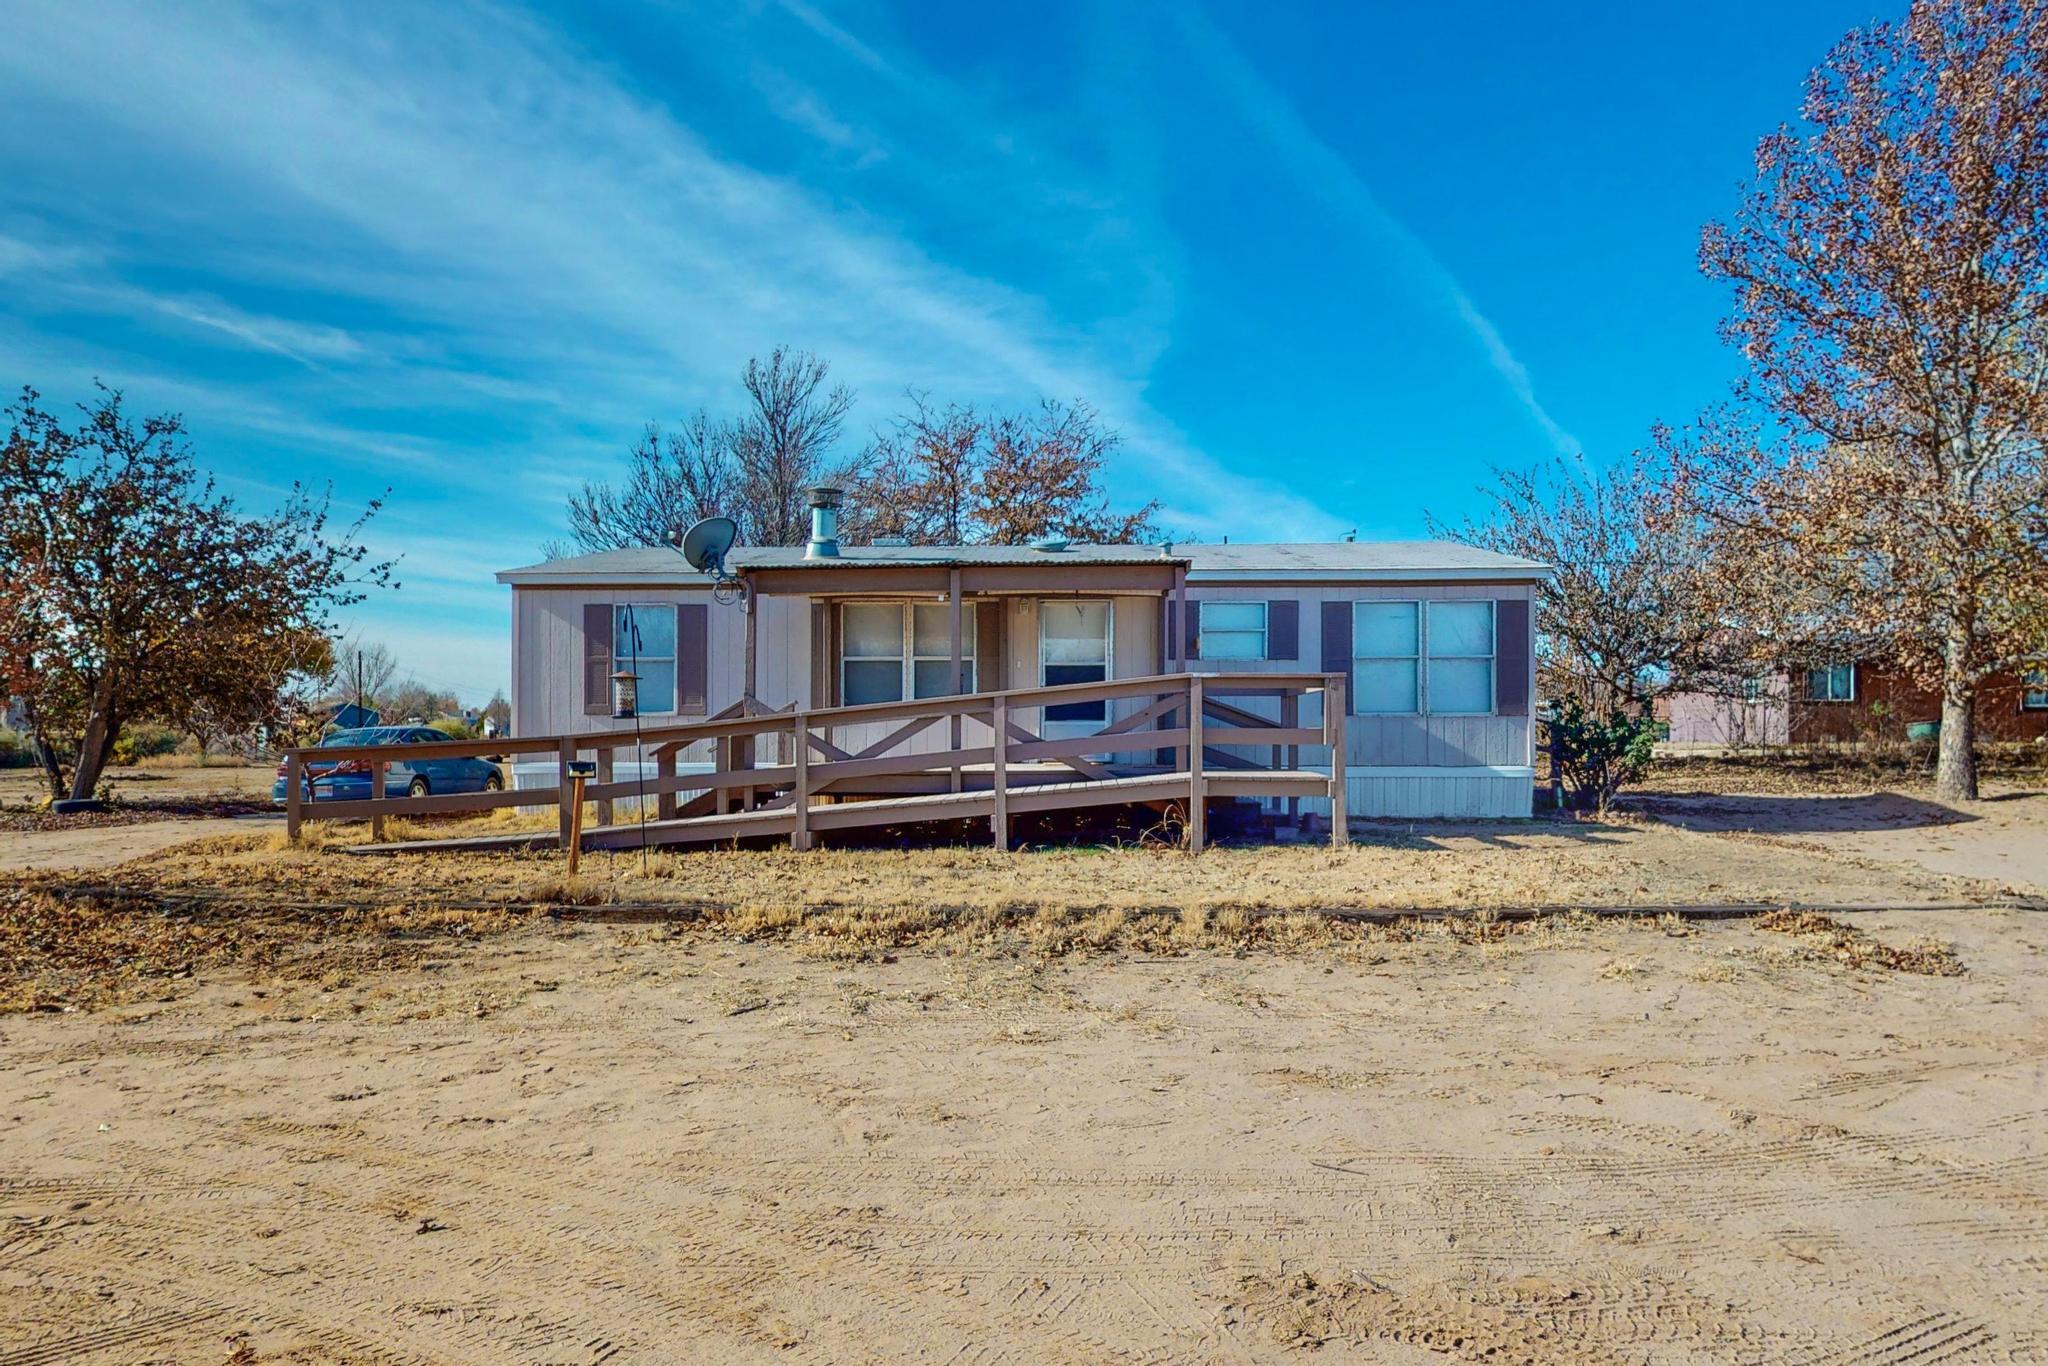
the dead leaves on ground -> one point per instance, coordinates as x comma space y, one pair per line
1825, 937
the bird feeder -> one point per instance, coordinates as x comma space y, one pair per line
625, 695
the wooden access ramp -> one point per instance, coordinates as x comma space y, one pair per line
1170, 738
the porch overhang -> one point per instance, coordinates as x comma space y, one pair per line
1156, 576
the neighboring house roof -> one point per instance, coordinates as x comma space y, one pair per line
1305, 561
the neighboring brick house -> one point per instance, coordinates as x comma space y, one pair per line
1848, 702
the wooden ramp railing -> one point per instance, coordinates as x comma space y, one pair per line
1181, 737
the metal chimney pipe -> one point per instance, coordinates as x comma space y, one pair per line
824, 501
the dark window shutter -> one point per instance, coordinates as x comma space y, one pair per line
1337, 647
693, 660
1193, 626
1283, 629
988, 651
597, 658
1511, 645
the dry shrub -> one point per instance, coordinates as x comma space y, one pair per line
1824, 937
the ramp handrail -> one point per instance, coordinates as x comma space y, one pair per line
1181, 714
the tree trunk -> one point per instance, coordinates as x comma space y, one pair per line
101, 729
53, 769
1955, 770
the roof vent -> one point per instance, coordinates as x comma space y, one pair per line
1051, 544
890, 540
824, 500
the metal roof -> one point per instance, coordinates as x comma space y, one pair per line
1305, 561
1345, 560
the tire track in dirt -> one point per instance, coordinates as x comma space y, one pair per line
75, 1346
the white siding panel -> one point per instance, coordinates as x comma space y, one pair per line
1436, 741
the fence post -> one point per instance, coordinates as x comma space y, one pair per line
1198, 789
1289, 757
999, 823
800, 837
378, 778
566, 793
605, 810
1334, 708
294, 774
665, 768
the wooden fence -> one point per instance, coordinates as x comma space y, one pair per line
1187, 741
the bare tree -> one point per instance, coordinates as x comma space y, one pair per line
918, 480
956, 476
1890, 269
672, 479
1623, 617
754, 470
781, 444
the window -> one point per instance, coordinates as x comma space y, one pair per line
2034, 694
1756, 689
893, 650
1386, 644
1392, 642
1233, 630
644, 642
931, 645
1835, 683
1460, 679
1073, 647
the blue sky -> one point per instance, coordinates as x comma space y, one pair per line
1322, 265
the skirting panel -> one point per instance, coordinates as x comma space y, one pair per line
1475, 793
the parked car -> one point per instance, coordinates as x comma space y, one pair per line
343, 780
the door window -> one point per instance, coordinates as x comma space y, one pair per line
1073, 647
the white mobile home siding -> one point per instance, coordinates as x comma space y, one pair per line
1402, 766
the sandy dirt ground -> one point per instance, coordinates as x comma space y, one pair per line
19, 785
2002, 838
104, 846
88, 845
752, 1126
587, 1142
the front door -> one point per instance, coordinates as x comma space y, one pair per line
1073, 647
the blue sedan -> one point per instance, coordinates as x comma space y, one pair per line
343, 780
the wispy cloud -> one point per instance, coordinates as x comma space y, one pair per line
305, 343
1321, 170
567, 253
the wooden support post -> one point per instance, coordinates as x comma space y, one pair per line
1180, 619
294, 775
800, 837
722, 750
569, 796
665, 767
605, 810
1198, 790
999, 823
958, 676
576, 823
1334, 708
748, 604
379, 770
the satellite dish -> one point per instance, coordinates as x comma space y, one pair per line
704, 544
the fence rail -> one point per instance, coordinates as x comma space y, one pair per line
1188, 741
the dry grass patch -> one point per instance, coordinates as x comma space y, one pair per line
1824, 937
267, 901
